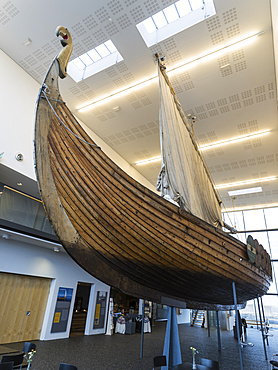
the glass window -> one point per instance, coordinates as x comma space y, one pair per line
273, 240
254, 219
260, 219
271, 215
86, 59
183, 7
237, 220
174, 19
102, 50
159, 19
79, 64
94, 55
111, 47
149, 25
94, 61
196, 4
171, 13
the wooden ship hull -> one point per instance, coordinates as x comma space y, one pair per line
126, 235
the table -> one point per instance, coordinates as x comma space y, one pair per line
188, 366
7, 350
147, 327
120, 328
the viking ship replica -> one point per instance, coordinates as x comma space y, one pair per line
128, 236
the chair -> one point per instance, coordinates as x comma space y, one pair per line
209, 363
159, 361
274, 362
28, 347
67, 367
7, 366
17, 359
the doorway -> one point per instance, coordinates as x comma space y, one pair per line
23, 302
81, 303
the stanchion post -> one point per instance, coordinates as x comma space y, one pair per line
256, 314
142, 328
262, 329
218, 331
237, 327
262, 306
208, 323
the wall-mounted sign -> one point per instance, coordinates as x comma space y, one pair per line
100, 310
61, 314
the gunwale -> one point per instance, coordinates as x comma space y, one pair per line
151, 211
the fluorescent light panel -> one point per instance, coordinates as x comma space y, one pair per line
246, 182
212, 53
217, 52
147, 161
234, 140
225, 142
245, 191
117, 94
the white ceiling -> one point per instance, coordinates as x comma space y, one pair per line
228, 102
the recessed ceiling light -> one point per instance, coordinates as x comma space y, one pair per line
27, 42
245, 191
225, 66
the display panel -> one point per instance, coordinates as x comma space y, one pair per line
61, 314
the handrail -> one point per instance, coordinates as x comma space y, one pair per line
25, 195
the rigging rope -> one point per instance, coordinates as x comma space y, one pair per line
53, 110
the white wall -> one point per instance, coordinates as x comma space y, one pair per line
274, 13
29, 256
184, 317
18, 96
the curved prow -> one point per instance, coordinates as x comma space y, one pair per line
63, 57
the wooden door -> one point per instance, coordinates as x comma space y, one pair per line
23, 300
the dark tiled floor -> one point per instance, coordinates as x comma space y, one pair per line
122, 352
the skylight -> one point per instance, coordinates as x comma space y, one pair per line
94, 61
175, 18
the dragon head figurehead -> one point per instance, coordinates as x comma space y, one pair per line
65, 53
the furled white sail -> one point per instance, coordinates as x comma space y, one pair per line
183, 175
